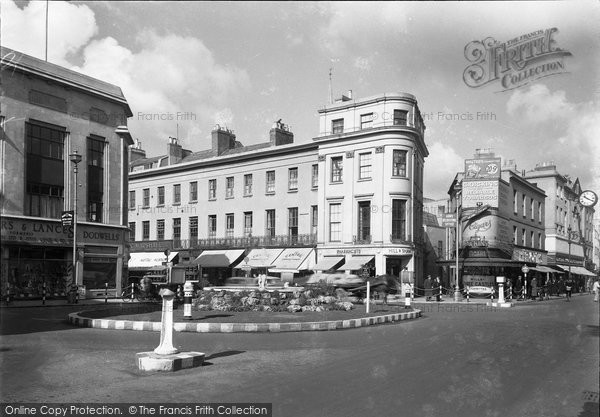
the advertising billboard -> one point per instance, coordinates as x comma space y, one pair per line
478, 193
482, 169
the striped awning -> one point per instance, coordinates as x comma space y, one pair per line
328, 263
356, 262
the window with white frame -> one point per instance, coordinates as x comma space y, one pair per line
177, 194
177, 228
160, 229
194, 191
523, 237
146, 230
193, 227
212, 225
314, 219
399, 163
229, 224
160, 196
335, 222
132, 231
270, 184
270, 223
146, 197
515, 235
364, 165
366, 121
247, 223
212, 189
337, 168
132, 199
315, 176
293, 223
248, 184
293, 179
337, 126
229, 187
400, 117
532, 208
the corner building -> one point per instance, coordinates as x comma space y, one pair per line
349, 200
47, 113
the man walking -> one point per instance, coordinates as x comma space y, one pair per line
569, 288
596, 290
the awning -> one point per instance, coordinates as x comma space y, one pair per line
148, 260
294, 260
356, 262
218, 258
260, 258
578, 270
500, 262
328, 262
544, 269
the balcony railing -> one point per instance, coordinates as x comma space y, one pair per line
247, 242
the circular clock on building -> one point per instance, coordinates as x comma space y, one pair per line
588, 198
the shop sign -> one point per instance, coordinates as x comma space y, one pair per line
488, 227
478, 193
368, 251
528, 255
53, 233
397, 251
482, 169
151, 246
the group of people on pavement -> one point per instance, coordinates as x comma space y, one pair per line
433, 288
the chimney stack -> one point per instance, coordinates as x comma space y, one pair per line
136, 152
223, 139
175, 151
280, 134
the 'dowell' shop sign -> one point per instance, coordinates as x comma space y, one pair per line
49, 233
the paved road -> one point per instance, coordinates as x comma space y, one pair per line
458, 360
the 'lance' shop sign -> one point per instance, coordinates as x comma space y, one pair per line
40, 232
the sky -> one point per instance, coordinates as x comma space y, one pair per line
186, 66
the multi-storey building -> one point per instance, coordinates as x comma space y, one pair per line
351, 198
501, 222
49, 117
569, 225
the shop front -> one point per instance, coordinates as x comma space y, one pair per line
294, 263
37, 258
257, 262
217, 265
369, 261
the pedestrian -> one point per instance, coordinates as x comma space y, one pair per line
569, 288
534, 289
596, 290
428, 288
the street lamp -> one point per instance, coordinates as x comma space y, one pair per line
456, 288
75, 159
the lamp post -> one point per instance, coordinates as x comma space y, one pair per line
75, 159
456, 288
569, 234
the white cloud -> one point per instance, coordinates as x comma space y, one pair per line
362, 63
358, 25
70, 27
537, 104
441, 161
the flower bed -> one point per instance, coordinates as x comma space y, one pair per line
318, 298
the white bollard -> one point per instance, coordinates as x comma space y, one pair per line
368, 295
188, 292
166, 329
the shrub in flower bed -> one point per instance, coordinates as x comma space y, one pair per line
293, 302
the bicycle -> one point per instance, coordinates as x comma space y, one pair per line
136, 294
